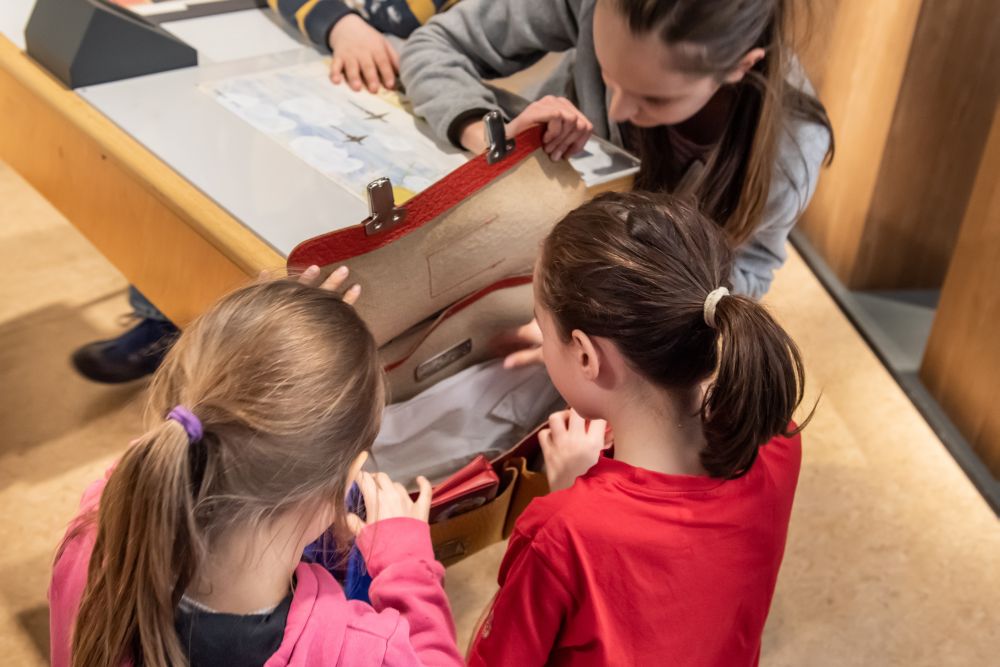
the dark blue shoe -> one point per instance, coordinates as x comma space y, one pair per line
135, 354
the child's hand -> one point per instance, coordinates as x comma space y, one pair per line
571, 447
566, 128
332, 283
385, 499
362, 55
522, 346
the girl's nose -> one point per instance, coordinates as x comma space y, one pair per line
622, 106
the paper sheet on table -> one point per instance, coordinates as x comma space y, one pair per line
485, 409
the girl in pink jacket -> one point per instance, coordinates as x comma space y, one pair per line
188, 553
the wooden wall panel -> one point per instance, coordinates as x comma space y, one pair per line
910, 86
961, 366
862, 70
812, 22
941, 122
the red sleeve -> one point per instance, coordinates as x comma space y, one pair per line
533, 601
407, 578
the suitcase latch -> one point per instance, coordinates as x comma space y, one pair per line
496, 138
382, 212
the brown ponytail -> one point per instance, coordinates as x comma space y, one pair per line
286, 383
758, 385
636, 269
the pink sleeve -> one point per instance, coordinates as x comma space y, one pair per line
407, 578
69, 574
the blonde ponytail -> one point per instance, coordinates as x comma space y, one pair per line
146, 552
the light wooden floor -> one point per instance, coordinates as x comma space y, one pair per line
893, 559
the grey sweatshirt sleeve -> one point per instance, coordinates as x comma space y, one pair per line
800, 157
444, 62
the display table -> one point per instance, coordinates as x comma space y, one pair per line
184, 198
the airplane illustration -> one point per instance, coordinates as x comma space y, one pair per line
371, 115
351, 138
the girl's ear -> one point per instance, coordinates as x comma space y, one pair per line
752, 57
587, 356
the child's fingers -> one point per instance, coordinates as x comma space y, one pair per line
352, 295
557, 422
530, 333
422, 506
367, 486
553, 131
581, 140
369, 493
352, 70
561, 144
577, 424
545, 442
308, 277
355, 524
337, 69
576, 136
523, 358
597, 427
332, 282
384, 482
385, 70
569, 146
369, 72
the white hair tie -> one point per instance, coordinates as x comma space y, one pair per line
711, 301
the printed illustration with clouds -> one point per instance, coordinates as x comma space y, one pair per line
352, 138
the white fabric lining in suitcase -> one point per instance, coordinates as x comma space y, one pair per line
484, 409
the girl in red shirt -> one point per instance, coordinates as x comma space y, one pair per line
666, 554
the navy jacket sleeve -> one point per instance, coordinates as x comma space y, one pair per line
315, 18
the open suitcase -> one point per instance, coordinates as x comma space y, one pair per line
442, 275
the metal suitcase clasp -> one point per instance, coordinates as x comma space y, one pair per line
383, 214
496, 138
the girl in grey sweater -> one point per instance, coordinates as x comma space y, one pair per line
705, 91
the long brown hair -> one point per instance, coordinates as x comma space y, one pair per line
716, 34
286, 382
636, 269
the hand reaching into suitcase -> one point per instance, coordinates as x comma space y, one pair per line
527, 341
571, 446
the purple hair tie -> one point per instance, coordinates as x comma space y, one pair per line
187, 419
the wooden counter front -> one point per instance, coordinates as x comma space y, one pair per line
174, 243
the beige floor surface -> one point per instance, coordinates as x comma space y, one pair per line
892, 557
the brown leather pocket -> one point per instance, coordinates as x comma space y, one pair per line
472, 531
530, 485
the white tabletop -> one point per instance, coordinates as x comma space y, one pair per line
13, 17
